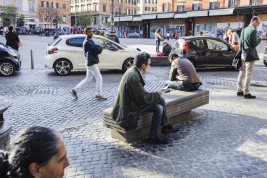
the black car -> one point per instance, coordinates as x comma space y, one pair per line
9, 60
205, 51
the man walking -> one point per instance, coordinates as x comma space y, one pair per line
91, 52
250, 41
12, 39
133, 99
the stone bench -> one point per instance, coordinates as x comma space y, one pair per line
160, 61
179, 104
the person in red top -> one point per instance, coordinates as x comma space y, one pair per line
177, 35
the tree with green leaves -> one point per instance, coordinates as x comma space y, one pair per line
20, 21
85, 19
10, 14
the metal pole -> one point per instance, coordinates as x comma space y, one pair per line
75, 23
112, 33
32, 60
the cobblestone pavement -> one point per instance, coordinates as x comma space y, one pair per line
226, 138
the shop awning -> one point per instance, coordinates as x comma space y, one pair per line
165, 15
250, 9
180, 16
221, 12
149, 16
126, 18
137, 18
197, 13
116, 19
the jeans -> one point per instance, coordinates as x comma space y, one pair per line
244, 77
159, 118
183, 87
90, 72
157, 45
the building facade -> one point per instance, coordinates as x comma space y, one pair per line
27, 8
100, 10
54, 13
213, 18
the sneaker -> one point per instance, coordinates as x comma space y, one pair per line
161, 139
74, 94
170, 129
240, 93
249, 96
166, 89
100, 98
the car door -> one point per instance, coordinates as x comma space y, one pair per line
219, 53
75, 51
108, 59
197, 49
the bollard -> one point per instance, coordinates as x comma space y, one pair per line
32, 61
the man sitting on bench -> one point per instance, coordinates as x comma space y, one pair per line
133, 99
183, 75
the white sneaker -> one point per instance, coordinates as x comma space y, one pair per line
166, 89
100, 98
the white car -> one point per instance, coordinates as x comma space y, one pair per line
66, 53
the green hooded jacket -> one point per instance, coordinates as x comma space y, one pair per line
131, 95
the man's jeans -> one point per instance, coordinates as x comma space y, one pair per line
90, 72
159, 118
245, 72
183, 87
157, 45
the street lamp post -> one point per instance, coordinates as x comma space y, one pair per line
112, 33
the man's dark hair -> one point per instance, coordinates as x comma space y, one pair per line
141, 59
88, 29
10, 28
254, 18
174, 56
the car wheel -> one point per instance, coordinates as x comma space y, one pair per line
127, 64
7, 68
265, 63
62, 67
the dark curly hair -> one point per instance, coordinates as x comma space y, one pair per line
141, 59
33, 145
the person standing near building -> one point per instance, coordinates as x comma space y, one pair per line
250, 41
12, 39
158, 37
91, 52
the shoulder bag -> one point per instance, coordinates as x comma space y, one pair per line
237, 62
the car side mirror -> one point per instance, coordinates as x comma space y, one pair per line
113, 48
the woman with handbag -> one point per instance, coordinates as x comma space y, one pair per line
158, 37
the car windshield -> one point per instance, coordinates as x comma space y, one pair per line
55, 42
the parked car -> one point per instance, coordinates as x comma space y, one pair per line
133, 35
66, 53
23, 30
57, 30
9, 60
265, 57
205, 51
38, 30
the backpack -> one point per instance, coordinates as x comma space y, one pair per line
160, 54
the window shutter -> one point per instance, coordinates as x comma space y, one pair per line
192, 6
162, 7
210, 5
216, 5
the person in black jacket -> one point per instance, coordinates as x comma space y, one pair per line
12, 39
91, 52
166, 48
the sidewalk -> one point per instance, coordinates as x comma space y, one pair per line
226, 138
